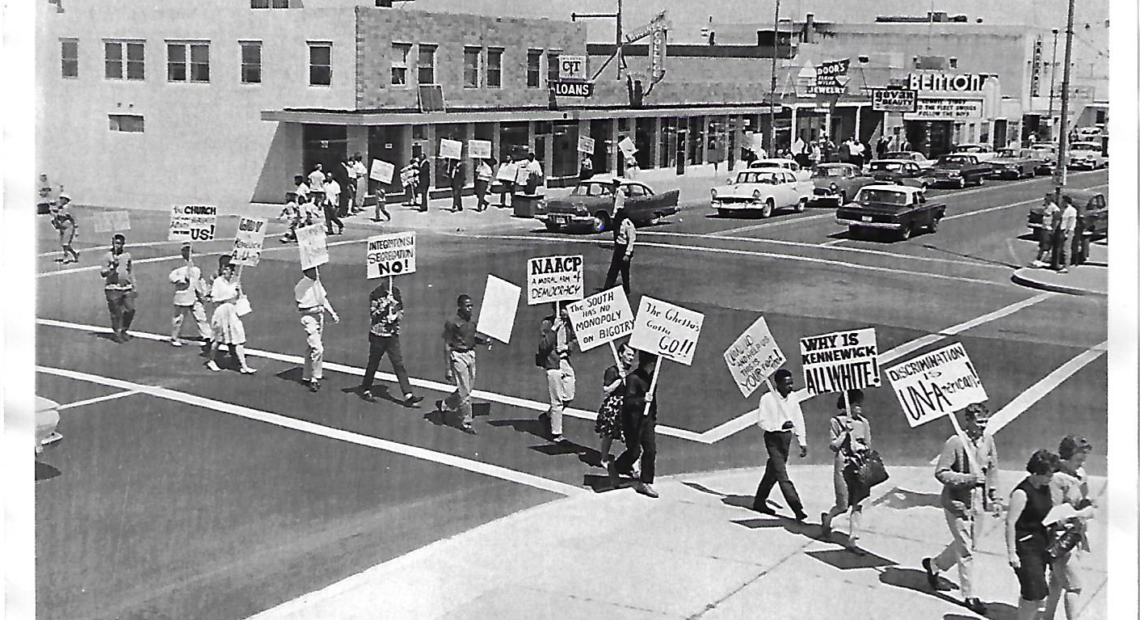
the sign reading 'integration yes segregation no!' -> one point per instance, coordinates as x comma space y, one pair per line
391, 255
936, 384
841, 361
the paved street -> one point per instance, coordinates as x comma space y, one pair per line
183, 493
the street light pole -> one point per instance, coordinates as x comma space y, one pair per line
772, 95
1052, 83
1060, 177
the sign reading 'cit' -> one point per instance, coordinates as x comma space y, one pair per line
572, 67
572, 89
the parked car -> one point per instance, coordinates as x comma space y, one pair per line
46, 419
982, 151
1047, 154
959, 169
900, 171
1014, 163
834, 183
914, 156
763, 190
1095, 210
590, 204
1086, 156
899, 208
802, 174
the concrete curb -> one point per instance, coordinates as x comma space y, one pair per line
1026, 277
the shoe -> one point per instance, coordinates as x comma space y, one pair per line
931, 574
413, 401
612, 472
246, 370
1063, 270
763, 509
470, 430
558, 439
367, 396
440, 406
801, 516
127, 336
314, 386
175, 343
825, 521
212, 365
646, 490
975, 605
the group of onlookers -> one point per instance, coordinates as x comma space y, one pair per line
523, 176
327, 196
1063, 239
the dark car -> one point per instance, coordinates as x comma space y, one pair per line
835, 183
900, 171
1015, 164
1091, 204
590, 205
959, 170
897, 208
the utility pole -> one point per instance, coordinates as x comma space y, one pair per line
1052, 83
772, 95
1061, 175
618, 55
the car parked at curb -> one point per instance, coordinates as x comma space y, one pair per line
589, 206
802, 174
899, 171
914, 156
46, 420
1047, 155
835, 183
959, 170
1086, 156
1093, 205
898, 208
982, 151
761, 190
1013, 163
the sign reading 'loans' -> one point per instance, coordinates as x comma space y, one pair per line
936, 384
192, 223
391, 255
601, 318
666, 330
840, 361
753, 357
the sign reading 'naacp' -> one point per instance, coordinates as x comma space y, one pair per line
894, 100
936, 384
554, 278
572, 89
601, 318
840, 361
391, 255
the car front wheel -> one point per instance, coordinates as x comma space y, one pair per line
769, 206
601, 222
801, 205
934, 223
981, 179
961, 182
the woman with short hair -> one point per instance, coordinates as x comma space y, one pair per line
851, 442
1025, 533
1070, 486
608, 424
226, 323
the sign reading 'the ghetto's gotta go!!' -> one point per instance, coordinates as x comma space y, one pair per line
666, 330
391, 255
841, 361
936, 384
554, 278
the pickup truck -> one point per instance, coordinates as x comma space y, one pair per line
959, 169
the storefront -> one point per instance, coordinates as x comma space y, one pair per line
952, 109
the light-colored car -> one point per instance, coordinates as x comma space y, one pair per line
762, 190
1086, 156
982, 151
835, 183
1046, 154
47, 419
802, 174
914, 156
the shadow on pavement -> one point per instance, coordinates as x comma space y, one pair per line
915, 579
293, 374
846, 560
994, 611
789, 524
739, 501
902, 499
45, 471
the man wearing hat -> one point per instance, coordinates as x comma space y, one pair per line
624, 234
189, 292
64, 222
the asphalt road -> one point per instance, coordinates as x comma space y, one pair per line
225, 494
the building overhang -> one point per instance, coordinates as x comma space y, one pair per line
381, 118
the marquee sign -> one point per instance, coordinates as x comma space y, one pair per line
961, 82
946, 110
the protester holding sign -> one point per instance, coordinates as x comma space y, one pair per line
506, 177
64, 221
460, 339
457, 174
226, 323
608, 424
312, 302
1070, 486
639, 424
850, 441
556, 340
119, 288
781, 419
409, 177
1025, 533
483, 174
386, 310
189, 292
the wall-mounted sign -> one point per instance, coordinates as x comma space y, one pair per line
894, 100
572, 67
572, 89
960, 82
831, 78
946, 110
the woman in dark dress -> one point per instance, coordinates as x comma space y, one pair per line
1025, 533
608, 424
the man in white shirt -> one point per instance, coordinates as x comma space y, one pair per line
317, 179
189, 291
781, 419
1068, 227
312, 302
360, 176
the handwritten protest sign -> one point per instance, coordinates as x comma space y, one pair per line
382, 171
497, 313
753, 357
450, 149
554, 278
601, 318
192, 222
479, 149
507, 172
666, 330
391, 255
109, 221
585, 144
249, 241
314, 248
936, 384
627, 147
841, 361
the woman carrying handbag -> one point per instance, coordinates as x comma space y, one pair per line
851, 443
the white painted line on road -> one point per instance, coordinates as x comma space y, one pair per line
442, 458
446, 388
771, 224
92, 401
1039, 390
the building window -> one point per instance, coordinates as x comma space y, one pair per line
953, 62
69, 57
425, 66
188, 62
250, 62
400, 53
552, 67
126, 123
494, 68
132, 54
471, 57
533, 68
320, 64
268, 4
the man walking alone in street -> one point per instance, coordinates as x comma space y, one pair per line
781, 419
312, 302
460, 339
386, 309
625, 233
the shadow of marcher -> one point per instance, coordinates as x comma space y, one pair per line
994, 611
915, 579
843, 559
45, 471
449, 419
740, 501
380, 392
294, 375
903, 499
807, 530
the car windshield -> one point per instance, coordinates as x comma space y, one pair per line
829, 172
886, 166
970, 148
771, 163
1008, 153
767, 178
593, 189
881, 196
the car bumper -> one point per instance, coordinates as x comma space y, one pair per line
817, 199
1005, 173
1082, 165
737, 205
565, 219
861, 224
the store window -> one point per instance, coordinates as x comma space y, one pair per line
250, 62
450, 131
124, 59
494, 68
668, 143
471, 58
400, 54
320, 64
268, 4
533, 68
425, 65
565, 150
69, 57
514, 140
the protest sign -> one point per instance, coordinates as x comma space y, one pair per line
192, 222
666, 330
936, 384
249, 241
314, 249
601, 318
382, 171
753, 357
841, 361
627, 147
507, 172
450, 149
585, 145
391, 255
479, 149
497, 313
554, 278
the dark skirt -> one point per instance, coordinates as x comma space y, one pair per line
608, 423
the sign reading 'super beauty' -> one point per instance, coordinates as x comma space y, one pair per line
936, 384
192, 222
554, 278
840, 361
391, 255
753, 357
601, 318
249, 241
666, 330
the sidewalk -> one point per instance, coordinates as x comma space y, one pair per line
1090, 278
697, 552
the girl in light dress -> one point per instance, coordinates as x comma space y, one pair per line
228, 328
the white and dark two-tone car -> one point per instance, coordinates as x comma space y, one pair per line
761, 190
801, 173
1086, 156
900, 209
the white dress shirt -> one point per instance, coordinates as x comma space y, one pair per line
310, 295
775, 410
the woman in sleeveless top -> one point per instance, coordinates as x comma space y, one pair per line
850, 441
228, 328
1025, 533
608, 424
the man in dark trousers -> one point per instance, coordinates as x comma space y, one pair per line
639, 426
781, 419
425, 182
625, 233
343, 177
457, 172
386, 309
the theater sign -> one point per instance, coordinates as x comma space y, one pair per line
946, 82
946, 110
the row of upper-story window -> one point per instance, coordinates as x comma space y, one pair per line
189, 61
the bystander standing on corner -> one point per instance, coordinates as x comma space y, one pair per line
424, 182
460, 340
360, 182
1068, 230
1050, 224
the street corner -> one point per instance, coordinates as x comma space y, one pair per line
1086, 279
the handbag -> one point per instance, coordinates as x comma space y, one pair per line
242, 307
872, 471
1063, 537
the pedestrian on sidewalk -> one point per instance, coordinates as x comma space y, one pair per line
457, 172
1050, 225
381, 206
962, 469
781, 419
1068, 230
506, 176
409, 177
386, 310
1070, 485
625, 235
291, 216
64, 221
360, 180
226, 324
1082, 236
851, 442
639, 427
300, 188
587, 169
424, 182
329, 206
556, 339
341, 195
460, 339
1025, 533
189, 292
119, 287
608, 425
317, 179
312, 302
483, 176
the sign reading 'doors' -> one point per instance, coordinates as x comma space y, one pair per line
753, 357
249, 241
479, 149
192, 222
666, 330
450, 149
894, 100
391, 255
572, 67
497, 312
945, 109
554, 278
313, 246
601, 318
109, 221
382, 171
936, 384
585, 144
840, 361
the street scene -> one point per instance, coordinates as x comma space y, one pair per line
353, 310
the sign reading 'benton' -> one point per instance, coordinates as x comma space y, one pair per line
946, 81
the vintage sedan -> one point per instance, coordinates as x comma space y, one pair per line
761, 190
914, 156
982, 151
960, 169
1014, 163
901, 172
897, 208
802, 174
1092, 204
1047, 155
590, 205
834, 183
46, 420
1087, 156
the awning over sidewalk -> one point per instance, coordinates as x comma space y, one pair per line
370, 118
